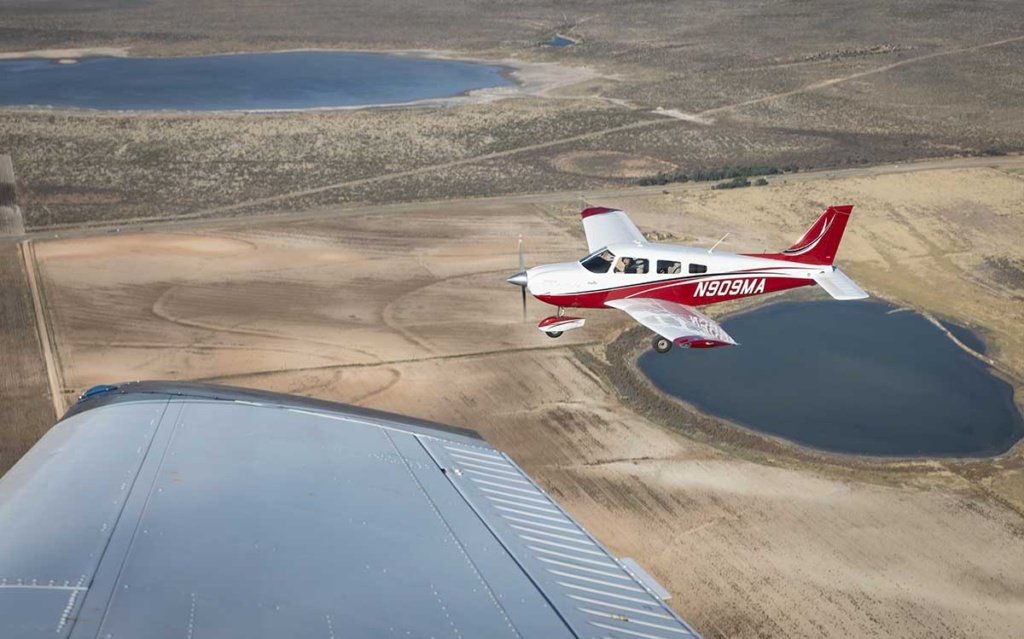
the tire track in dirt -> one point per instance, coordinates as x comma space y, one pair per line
160, 310
396, 377
391, 362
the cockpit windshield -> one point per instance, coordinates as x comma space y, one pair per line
599, 261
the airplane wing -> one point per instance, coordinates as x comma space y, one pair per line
605, 227
684, 325
167, 509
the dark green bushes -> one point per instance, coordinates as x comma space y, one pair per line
710, 175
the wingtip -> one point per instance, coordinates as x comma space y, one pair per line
697, 342
595, 210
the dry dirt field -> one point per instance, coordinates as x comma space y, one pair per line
407, 310
25, 409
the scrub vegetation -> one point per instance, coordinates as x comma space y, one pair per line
723, 84
708, 175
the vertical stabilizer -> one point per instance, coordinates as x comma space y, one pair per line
820, 243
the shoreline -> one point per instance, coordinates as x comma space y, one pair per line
639, 393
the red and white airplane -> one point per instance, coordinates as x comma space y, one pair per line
660, 285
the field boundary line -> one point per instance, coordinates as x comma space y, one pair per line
52, 376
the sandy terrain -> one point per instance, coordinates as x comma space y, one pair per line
406, 310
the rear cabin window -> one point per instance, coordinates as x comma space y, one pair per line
599, 262
667, 267
698, 268
632, 265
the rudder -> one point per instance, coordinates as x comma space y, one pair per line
820, 243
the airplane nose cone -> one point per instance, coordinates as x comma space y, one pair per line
519, 279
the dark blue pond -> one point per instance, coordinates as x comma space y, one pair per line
560, 41
847, 377
290, 80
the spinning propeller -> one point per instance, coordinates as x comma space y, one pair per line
519, 279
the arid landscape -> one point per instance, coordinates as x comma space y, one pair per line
661, 86
360, 256
753, 537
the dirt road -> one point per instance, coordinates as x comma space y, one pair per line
52, 370
550, 199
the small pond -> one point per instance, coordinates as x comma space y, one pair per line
847, 377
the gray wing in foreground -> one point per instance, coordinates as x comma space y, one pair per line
179, 510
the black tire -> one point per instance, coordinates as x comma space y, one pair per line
554, 334
661, 345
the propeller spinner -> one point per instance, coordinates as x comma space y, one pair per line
520, 279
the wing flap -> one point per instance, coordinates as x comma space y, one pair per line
605, 227
682, 324
839, 285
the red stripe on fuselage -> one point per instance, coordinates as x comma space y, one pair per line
682, 291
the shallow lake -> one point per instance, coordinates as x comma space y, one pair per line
848, 377
286, 80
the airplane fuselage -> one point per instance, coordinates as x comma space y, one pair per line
683, 275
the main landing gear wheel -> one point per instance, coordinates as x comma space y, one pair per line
554, 334
661, 344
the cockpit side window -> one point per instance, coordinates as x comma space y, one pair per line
668, 267
631, 265
698, 268
598, 261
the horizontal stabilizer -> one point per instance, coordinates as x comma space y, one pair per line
839, 286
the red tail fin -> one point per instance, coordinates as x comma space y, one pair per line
820, 243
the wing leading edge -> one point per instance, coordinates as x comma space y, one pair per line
605, 227
167, 510
684, 325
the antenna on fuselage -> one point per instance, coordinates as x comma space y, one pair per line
711, 250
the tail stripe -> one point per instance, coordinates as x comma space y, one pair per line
819, 244
800, 250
